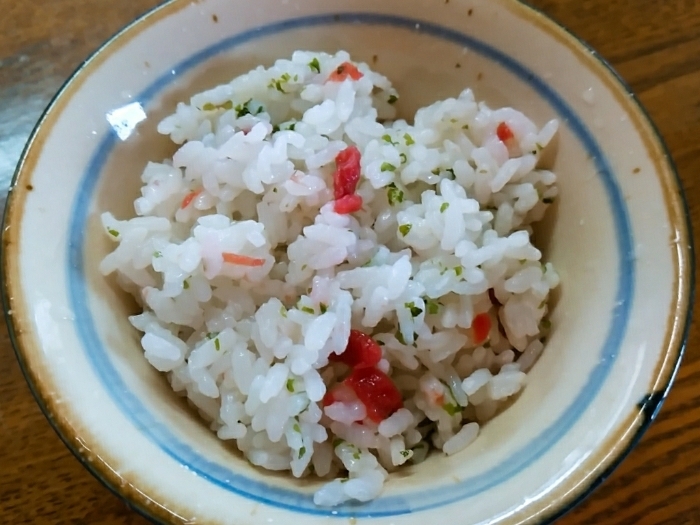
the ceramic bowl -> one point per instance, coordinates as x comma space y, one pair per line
619, 236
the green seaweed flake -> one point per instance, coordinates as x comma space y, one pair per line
432, 307
399, 337
415, 311
452, 408
213, 107
280, 83
394, 195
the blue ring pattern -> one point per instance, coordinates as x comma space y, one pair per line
149, 424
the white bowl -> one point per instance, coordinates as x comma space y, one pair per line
619, 237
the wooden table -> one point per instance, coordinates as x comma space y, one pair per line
655, 46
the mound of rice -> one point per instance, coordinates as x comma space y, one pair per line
251, 280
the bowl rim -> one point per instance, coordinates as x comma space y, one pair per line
648, 409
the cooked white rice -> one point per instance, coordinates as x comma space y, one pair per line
443, 235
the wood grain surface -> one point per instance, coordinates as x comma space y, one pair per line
653, 44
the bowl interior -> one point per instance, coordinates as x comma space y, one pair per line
612, 339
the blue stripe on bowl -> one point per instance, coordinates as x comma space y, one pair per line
160, 434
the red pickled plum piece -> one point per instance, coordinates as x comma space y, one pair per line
481, 327
347, 172
362, 351
348, 204
504, 132
344, 71
189, 198
242, 260
376, 391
